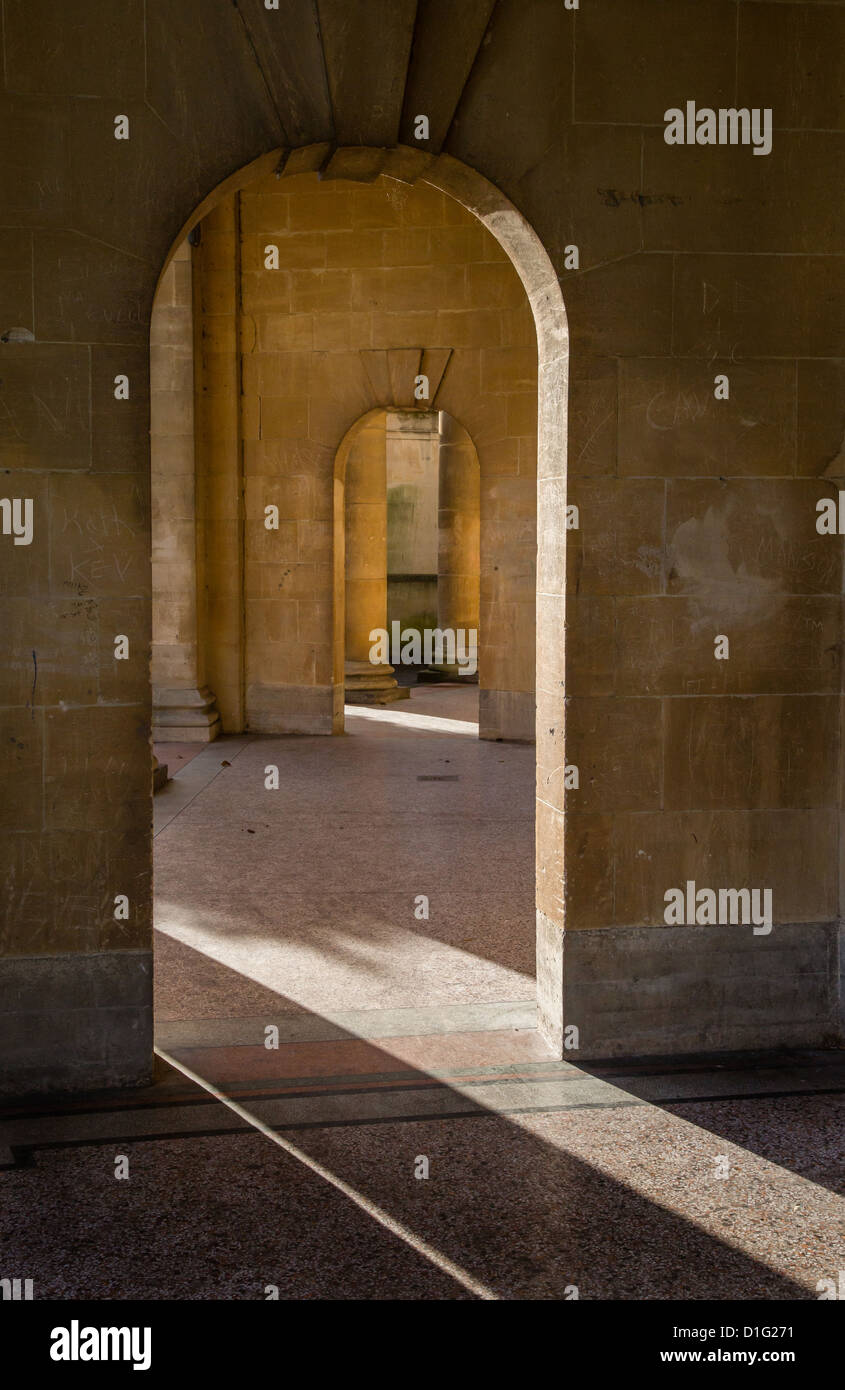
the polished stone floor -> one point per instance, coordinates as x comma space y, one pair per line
406, 1134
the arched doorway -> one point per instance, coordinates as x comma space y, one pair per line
407, 553
516, 420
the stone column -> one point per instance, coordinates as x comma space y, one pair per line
458, 539
183, 706
366, 566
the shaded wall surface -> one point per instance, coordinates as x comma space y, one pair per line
696, 515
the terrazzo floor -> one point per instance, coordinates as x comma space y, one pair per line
616, 1197
406, 1134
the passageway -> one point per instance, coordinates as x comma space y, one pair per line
314, 893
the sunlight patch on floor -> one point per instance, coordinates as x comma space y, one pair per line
402, 719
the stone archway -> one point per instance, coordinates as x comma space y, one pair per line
506, 711
437, 444
317, 305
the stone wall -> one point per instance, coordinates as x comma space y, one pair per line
696, 515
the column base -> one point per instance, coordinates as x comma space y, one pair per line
184, 715
506, 714
290, 709
76, 1022
675, 991
366, 684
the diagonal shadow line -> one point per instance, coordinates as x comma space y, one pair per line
521, 1218
505, 1213
397, 1228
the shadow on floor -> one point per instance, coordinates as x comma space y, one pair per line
516, 1206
